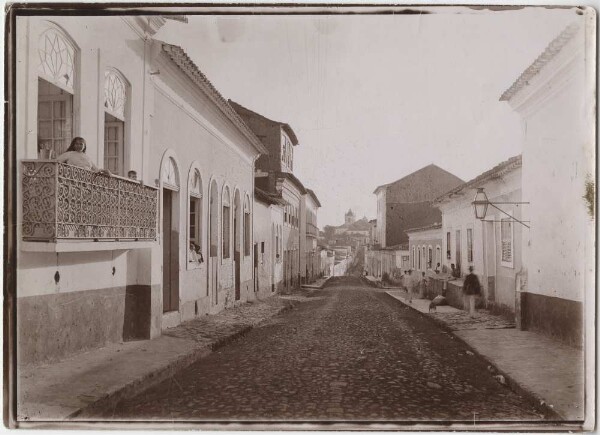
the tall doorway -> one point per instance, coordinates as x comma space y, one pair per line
170, 238
213, 223
237, 243
458, 249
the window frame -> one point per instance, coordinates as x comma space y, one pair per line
504, 263
449, 245
247, 228
122, 117
226, 224
195, 194
470, 255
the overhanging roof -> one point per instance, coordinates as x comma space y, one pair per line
189, 68
496, 172
314, 196
547, 55
268, 198
434, 226
285, 126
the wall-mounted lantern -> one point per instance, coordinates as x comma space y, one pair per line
481, 203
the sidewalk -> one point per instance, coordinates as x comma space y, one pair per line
100, 378
549, 370
318, 284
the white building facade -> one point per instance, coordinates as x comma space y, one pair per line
555, 98
103, 259
491, 246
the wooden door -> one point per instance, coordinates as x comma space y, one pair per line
113, 147
255, 268
236, 254
170, 256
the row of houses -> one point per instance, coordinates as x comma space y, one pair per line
533, 248
202, 211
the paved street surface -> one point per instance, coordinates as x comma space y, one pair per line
354, 353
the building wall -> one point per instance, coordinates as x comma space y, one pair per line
269, 273
558, 110
183, 116
428, 239
381, 217
400, 217
498, 278
291, 239
72, 301
311, 267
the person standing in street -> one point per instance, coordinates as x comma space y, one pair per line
423, 286
410, 285
471, 288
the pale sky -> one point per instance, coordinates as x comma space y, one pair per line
373, 98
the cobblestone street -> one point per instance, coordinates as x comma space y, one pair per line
352, 353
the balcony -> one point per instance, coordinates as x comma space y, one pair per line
67, 206
312, 230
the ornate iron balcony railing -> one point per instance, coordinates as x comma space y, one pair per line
64, 202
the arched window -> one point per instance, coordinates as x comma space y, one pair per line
170, 174
247, 227
57, 59
56, 90
429, 257
195, 217
115, 100
214, 216
226, 223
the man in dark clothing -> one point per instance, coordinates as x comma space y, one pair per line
471, 288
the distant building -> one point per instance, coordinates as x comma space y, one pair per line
425, 247
392, 260
349, 217
406, 203
373, 233
274, 175
268, 228
492, 246
311, 252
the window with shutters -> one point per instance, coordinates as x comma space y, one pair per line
115, 100
247, 227
226, 223
506, 242
195, 218
56, 90
470, 245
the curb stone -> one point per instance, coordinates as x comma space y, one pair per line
534, 400
111, 399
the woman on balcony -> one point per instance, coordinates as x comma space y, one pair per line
76, 156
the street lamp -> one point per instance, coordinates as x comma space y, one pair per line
481, 203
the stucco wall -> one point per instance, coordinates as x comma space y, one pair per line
197, 136
425, 240
497, 278
556, 161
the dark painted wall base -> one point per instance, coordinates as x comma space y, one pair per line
55, 326
453, 293
138, 312
559, 318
